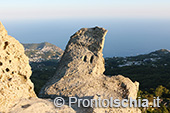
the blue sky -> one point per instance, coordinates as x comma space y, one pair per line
54, 9
134, 26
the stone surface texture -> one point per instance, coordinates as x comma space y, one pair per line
15, 71
80, 74
36, 105
16, 89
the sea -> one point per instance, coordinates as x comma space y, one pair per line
125, 37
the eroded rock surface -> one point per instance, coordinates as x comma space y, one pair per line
80, 73
16, 89
35, 105
15, 72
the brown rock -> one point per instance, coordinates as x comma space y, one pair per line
15, 72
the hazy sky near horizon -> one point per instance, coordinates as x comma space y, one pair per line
134, 26
58, 9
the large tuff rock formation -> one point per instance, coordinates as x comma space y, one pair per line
14, 71
80, 73
16, 89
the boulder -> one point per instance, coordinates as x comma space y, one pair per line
16, 89
15, 72
80, 74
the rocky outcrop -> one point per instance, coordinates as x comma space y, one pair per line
80, 73
15, 72
16, 89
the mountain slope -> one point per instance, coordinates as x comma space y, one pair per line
43, 59
150, 70
42, 52
153, 59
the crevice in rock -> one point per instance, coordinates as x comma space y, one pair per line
25, 106
30, 89
3, 71
23, 77
85, 59
7, 69
6, 44
1, 63
91, 59
7, 53
10, 79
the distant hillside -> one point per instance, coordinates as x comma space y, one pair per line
150, 70
153, 59
42, 52
43, 59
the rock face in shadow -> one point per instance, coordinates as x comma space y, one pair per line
15, 72
80, 74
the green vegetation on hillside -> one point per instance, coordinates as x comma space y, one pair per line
151, 70
42, 52
42, 72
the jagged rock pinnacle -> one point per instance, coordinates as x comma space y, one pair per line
80, 72
3, 31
